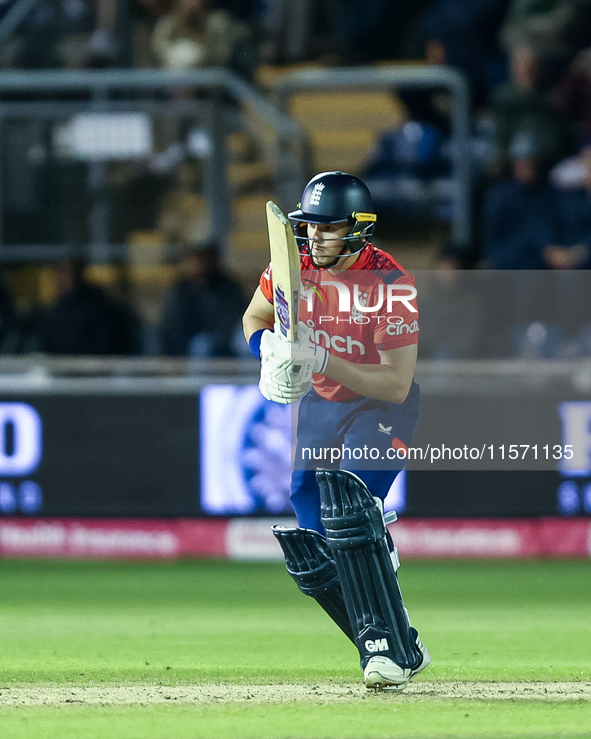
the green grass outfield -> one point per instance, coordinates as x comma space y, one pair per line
190, 650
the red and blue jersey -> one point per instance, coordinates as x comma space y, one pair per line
356, 313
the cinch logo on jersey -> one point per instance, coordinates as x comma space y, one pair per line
340, 344
377, 645
397, 329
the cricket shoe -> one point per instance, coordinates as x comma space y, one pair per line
382, 673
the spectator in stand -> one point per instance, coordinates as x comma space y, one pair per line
571, 246
464, 34
522, 217
105, 49
569, 255
570, 251
520, 105
529, 225
67, 34
407, 159
194, 35
520, 214
452, 312
84, 319
145, 15
553, 31
152, 10
10, 333
573, 95
203, 310
376, 30
183, 217
415, 146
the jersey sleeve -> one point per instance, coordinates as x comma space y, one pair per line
398, 323
266, 283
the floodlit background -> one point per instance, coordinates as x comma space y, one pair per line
139, 143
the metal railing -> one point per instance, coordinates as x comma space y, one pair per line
365, 78
37, 373
129, 88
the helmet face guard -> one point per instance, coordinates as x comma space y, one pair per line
335, 197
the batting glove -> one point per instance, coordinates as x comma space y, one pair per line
307, 346
279, 393
278, 351
287, 367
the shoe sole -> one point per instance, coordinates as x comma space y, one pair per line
377, 682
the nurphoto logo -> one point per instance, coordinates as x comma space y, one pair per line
394, 294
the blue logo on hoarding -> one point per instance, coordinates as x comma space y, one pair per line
21, 450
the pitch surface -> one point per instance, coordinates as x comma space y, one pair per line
217, 649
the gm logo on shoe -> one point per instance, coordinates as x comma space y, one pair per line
377, 645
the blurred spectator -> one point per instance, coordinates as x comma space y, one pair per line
452, 311
464, 34
518, 105
570, 173
55, 33
520, 214
552, 30
408, 158
193, 35
529, 225
378, 30
573, 97
574, 234
152, 10
302, 30
109, 42
102, 50
35, 46
84, 319
145, 15
183, 217
558, 299
10, 334
571, 246
202, 311
245, 10
415, 146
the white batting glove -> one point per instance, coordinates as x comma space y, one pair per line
283, 383
287, 367
306, 344
284, 394
271, 342
277, 350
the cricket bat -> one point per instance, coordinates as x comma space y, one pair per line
285, 261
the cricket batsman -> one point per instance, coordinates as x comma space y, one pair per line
352, 370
